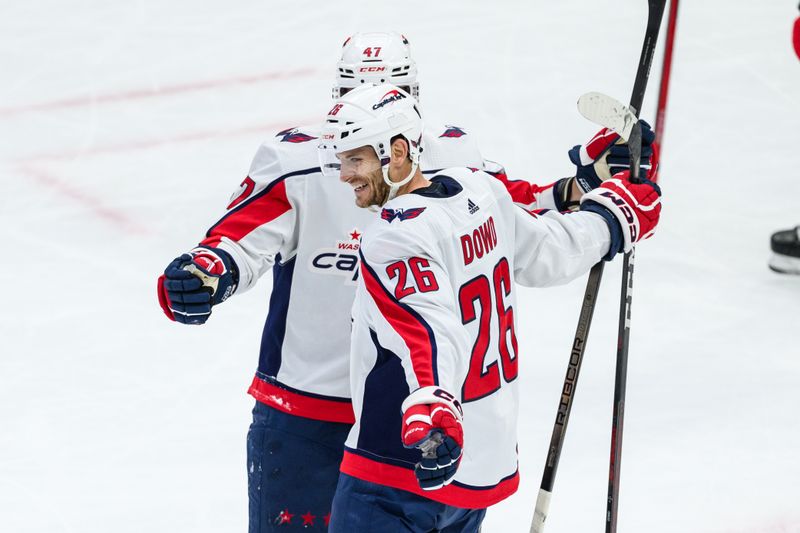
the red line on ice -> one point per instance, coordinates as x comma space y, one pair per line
139, 94
91, 203
265, 129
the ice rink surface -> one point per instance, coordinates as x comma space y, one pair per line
125, 127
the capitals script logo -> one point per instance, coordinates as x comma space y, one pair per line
453, 131
293, 135
392, 96
341, 260
401, 214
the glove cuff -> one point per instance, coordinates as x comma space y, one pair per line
431, 395
614, 227
210, 271
587, 180
562, 191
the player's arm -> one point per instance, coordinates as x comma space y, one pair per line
553, 248
415, 316
259, 224
527, 195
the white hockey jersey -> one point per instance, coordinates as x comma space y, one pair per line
288, 216
435, 307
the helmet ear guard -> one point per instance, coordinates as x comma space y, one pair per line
376, 57
372, 115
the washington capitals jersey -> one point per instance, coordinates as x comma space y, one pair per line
435, 306
305, 226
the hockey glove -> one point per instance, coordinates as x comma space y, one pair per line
432, 423
606, 154
194, 282
631, 210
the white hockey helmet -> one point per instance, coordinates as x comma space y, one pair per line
376, 57
372, 115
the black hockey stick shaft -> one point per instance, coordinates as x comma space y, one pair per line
656, 8
655, 14
567, 397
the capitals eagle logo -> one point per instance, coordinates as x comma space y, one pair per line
453, 131
401, 214
293, 135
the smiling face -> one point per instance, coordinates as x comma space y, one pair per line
361, 169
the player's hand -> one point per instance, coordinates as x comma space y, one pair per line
432, 423
606, 154
194, 282
634, 208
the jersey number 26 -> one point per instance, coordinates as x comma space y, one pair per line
479, 290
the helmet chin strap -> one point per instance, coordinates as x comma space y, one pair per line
394, 186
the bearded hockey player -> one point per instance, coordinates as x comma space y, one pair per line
288, 217
434, 360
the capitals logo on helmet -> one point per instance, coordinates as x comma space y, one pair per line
376, 57
391, 96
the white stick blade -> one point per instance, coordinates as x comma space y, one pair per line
607, 112
540, 513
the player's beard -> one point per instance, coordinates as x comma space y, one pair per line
375, 191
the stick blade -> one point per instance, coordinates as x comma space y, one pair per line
540, 512
607, 112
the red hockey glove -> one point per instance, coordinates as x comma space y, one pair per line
631, 210
432, 423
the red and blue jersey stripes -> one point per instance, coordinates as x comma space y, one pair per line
264, 387
358, 464
262, 208
271, 356
246, 215
314, 406
412, 328
381, 416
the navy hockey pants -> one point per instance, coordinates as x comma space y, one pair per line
293, 467
363, 507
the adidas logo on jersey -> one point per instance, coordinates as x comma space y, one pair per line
472, 206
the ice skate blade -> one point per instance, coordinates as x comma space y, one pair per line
783, 264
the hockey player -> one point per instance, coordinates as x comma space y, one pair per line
785, 244
288, 217
434, 357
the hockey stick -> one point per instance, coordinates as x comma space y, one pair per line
656, 8
610, 113
607, 112
567, 397
655, 13
666, 70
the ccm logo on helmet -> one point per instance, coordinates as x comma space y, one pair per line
392, 96
372, 69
